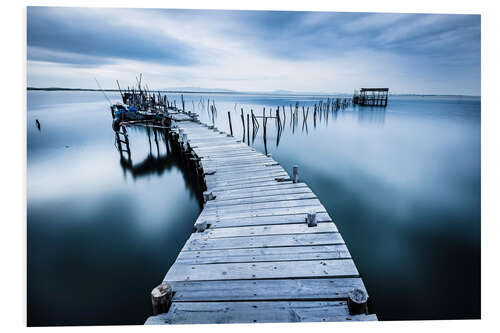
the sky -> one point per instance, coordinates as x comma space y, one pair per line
258, 51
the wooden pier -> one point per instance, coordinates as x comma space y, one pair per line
264, 249
372, 97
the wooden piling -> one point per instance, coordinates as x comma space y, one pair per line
357, 302
230, 125
295, 173
161, 298
248, 129
243, 123
311, 219
253, 120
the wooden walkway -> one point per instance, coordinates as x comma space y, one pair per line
253, 257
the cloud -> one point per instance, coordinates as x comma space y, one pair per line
255, 50
92, 34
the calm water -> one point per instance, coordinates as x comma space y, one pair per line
402, 184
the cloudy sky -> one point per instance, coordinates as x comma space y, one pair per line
254, 50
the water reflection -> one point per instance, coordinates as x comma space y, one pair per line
302, 118
156, 162
374, 115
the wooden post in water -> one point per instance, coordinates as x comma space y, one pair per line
295, 173
278, 118
264, 123
357, 302
230, 125
243, 122
161, 298
248, 129
253, 120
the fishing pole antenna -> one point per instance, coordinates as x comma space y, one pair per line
110, 104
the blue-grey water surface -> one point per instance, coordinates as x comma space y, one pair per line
402, 184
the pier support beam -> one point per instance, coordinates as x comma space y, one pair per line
161, 298
357, 302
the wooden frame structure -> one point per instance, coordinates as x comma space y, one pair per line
372, 97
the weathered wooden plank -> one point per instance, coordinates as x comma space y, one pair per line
237, 159
227, 155
204, 136
233, 148
242, 183
224, 166
221, 197
213, 142
249, 207
198, 242
248, 168
265, 230
253, 184
193, 131
233, 161
237, 177
277, 187
255, 160
263, 161
243, 170
289, 253
256, 199
263, 270
268, 220
207, 142
231, 181
250, 172
254, 290
256, 312
211, 218
222, 147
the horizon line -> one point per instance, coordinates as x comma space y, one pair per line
229, 91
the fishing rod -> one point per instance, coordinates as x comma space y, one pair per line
110, 104
119, 88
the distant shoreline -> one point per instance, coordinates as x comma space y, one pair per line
235, 92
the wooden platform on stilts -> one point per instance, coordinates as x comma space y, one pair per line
264, 249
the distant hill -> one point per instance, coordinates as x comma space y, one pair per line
288, 92
198, 89
195, 90
68, 89
175, 89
